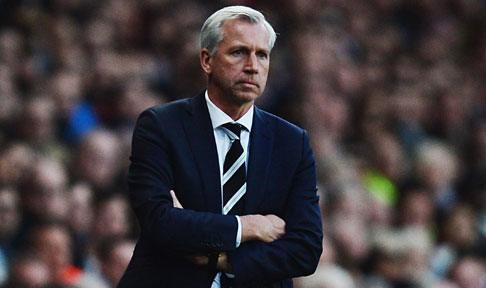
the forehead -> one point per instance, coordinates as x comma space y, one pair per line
242, 32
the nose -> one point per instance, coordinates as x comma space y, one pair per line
251, 65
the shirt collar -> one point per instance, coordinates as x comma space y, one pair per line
218, 117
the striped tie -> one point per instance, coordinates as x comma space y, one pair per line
234, 171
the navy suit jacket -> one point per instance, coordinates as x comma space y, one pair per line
173, 148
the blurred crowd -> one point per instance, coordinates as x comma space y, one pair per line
391, 92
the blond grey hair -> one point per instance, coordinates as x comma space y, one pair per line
211, 31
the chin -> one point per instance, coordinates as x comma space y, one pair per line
245, 97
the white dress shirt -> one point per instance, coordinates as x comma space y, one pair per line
223, 144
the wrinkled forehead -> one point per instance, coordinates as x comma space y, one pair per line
245, 31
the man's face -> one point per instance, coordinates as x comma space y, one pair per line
238, 69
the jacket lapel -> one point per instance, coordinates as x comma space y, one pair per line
201, 139
261, 143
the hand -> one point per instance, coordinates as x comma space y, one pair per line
176, 202
263, 228
223, 264
200, 260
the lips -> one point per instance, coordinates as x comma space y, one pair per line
249, 83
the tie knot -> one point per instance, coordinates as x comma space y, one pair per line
233, 130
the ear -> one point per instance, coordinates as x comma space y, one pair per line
206, 60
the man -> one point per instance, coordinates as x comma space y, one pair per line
224, 192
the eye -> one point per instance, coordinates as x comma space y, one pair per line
237, 53
262, 55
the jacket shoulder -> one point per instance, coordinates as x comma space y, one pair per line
171, 108
280, 125
166, 112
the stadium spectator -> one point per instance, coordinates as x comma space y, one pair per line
391, 93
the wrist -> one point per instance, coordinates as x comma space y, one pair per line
248, 231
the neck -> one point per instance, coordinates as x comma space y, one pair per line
234, 110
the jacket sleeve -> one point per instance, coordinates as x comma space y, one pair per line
297, 253
150, 178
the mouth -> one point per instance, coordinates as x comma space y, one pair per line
249, 83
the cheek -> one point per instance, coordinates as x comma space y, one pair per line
264, 71
263, 78
228, 74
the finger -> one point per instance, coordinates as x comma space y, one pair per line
280, 232
200, 260
271, 219
176, 202
276, 221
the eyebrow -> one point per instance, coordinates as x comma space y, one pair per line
243, 46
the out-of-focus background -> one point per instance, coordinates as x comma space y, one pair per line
391, 92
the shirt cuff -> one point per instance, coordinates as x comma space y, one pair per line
238, 234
